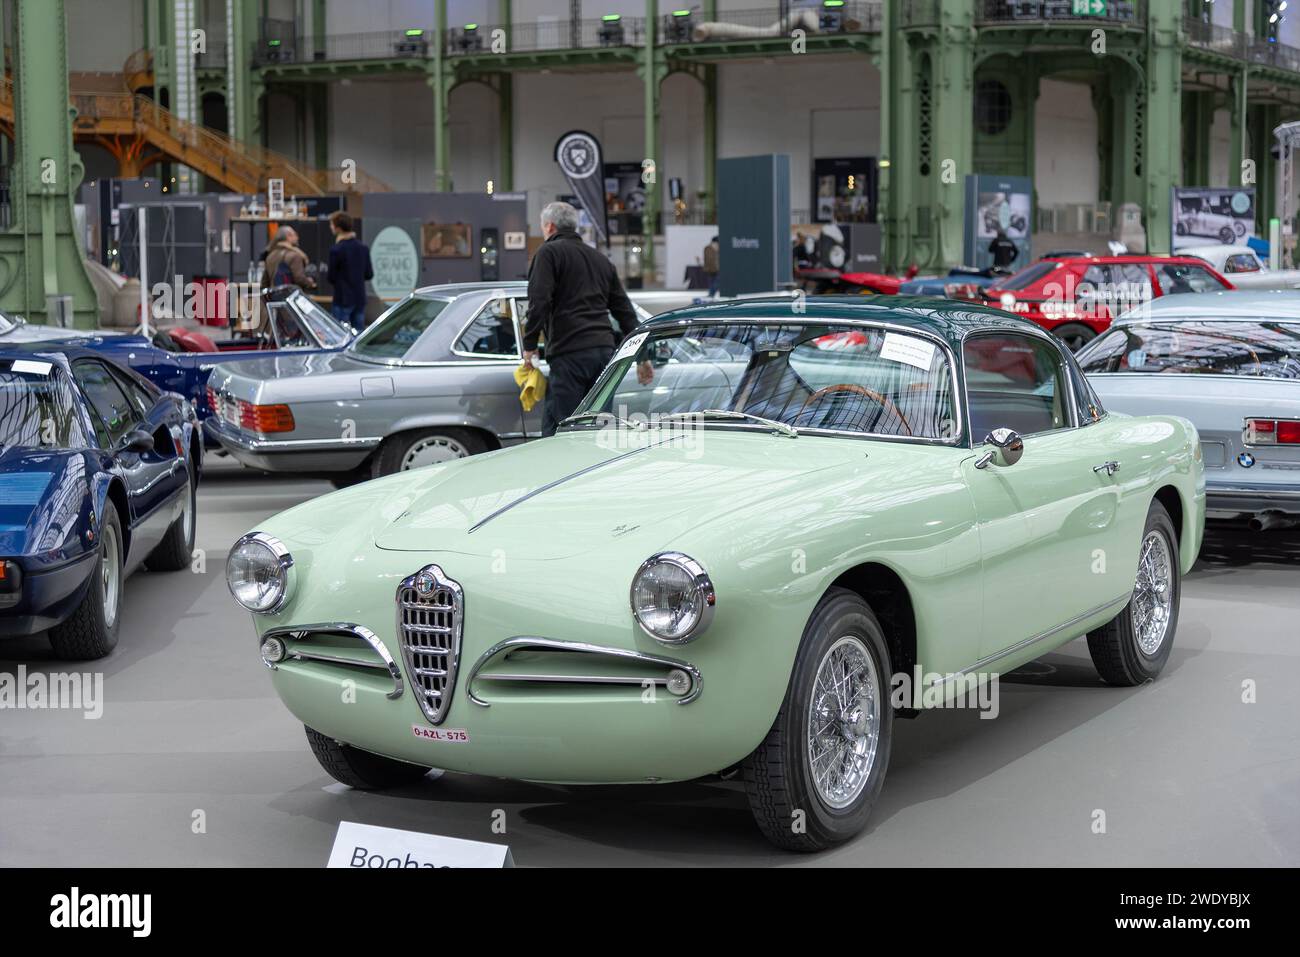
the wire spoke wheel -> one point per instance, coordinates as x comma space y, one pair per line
844, 722
1153, 593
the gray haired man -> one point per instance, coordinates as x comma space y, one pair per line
572, 291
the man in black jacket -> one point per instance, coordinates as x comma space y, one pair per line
572, 291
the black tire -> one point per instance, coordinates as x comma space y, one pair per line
1075, 335
359, 769
351, 477
89, 633
1180, 228
778, 774
1226, 235
1114, 646
176, 550
393, 452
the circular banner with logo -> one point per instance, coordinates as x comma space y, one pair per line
396, 263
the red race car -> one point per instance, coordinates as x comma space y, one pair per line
1077, 296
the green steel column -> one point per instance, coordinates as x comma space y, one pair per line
1237, 143
652, 73
244, 86
1127, 142
439, 82
1198, 108
710, 80
1162, 159
953, 128
506, 106
891, 241
321, 92
39, 251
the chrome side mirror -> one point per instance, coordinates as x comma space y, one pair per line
1006, 451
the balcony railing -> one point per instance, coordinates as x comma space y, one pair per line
1058, 11
837, 16
1216, 39
604, 34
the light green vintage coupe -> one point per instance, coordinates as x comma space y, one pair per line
738, 565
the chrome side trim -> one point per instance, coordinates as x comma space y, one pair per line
341, 628
525, 641
1020, 646
561, 480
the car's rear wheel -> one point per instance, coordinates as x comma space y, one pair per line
91, 631
176, 549
1226, 235
359, 769
1134, 645
1075, 335
813, 780
413, 450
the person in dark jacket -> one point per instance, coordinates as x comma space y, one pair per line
1003, 250
349, 269
572, 291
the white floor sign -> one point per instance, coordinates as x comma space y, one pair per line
367, 846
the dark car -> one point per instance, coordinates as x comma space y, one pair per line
98, 475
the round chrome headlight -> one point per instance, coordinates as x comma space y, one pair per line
259, 572
672, 598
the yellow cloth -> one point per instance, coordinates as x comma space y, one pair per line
533, 386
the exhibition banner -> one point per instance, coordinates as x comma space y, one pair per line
1212, 216
579, 156
998, 205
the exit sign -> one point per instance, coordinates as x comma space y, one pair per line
1089, 8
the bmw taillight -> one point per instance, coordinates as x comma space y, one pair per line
265, 418
1272, 432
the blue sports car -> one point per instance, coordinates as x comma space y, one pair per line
98, 475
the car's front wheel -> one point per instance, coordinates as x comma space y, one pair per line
1134, 645
91, 631
813, 780
359, 769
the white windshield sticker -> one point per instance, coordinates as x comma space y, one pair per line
909, 349
31, 367
631, 345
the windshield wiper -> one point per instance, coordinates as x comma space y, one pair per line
589, 416
774, 425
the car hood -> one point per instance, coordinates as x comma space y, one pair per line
41, 495
579, 492
28, 332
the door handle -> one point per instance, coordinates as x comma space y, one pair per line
1110, 468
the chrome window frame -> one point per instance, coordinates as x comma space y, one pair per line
390, 361
1054, 344
957, 441
496, 356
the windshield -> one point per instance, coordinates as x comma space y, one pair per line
395, 332
36, 407
1026, 277
328, 331
1263, 348
813, 375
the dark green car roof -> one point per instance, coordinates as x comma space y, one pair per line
948, 319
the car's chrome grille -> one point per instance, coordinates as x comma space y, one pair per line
430, 615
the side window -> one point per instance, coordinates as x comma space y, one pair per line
112, 409
1016, 382
1136, 281
1241, 262
1180, 277
492, 333
1095, 281
137, 394
1085, 400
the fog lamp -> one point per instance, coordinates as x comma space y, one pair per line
679, 682
272, 651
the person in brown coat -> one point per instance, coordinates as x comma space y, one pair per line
286, 264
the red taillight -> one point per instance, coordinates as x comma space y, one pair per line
265, 418
212, 399
1272, 432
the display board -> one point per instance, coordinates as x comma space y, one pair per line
755, 236
996, 203
1208, 216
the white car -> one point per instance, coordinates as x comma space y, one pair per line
1204, 222
1242, 267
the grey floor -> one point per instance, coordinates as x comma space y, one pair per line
1184, 771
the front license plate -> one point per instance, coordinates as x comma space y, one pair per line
448, 735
